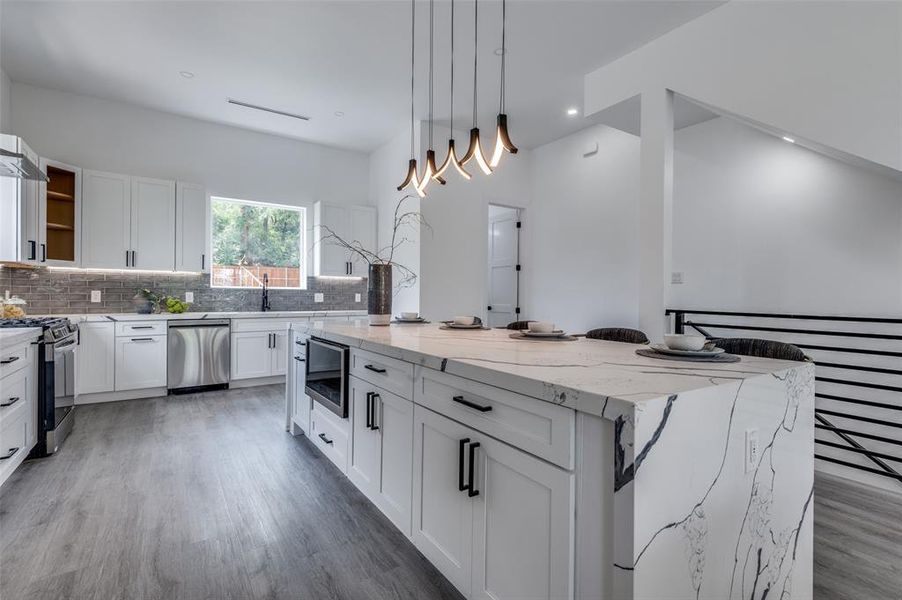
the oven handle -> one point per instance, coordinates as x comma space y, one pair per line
66, 347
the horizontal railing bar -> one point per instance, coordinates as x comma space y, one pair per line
859, 467
851, 350
870, 453
873, 386
727, 313
870, 436
834, 413
859, 401
870, 336
860, 368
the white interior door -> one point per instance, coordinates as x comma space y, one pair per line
503, 258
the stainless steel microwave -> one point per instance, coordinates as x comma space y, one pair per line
327, 374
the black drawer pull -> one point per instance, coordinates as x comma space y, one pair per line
10, 402
473, 405
460, 465
142, 339
141, 326
10, 454
374, 369
11, 359
472, 491
299, 359
323, 437
300, 343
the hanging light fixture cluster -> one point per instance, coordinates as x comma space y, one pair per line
475, 150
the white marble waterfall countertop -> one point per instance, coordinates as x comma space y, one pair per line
602, 378
249, 314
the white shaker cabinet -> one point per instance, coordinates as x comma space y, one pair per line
251, 354
362, 225
191, 230
153, 224
106, 220
21, 230
140, 362
95, 358
351, 223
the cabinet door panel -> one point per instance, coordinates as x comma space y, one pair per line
366, 450
302, 403
106, 219
522, 531
280, 353
442, 514
140, 362
191, 228
329, 258
153, 224
362, 229
394, 417
95, 358
251, 355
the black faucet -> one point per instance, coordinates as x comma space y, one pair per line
265, 303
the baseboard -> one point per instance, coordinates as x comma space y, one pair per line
253, 382
117, 396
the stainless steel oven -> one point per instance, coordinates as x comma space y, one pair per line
327, 375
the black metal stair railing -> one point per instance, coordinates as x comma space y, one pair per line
875, 402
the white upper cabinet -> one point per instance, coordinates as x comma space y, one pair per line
191, 230
153, 224
21, 232
351, 223
106, 220
59, 214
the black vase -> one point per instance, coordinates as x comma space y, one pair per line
379, 293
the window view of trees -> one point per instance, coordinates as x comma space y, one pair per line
252, 239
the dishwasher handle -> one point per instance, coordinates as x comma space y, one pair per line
199, 323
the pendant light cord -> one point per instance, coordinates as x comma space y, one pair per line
431, 79
413, 22
503, 51
452, 69
475, 54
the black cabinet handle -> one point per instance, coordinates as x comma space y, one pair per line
299, 359
473, 405
300, 343
323, 437
203, 262
472, 491
11, 359
369, 407
141, 326
460, 465
9, 454
142, 339
33, 250
10, 402
134, 258
374, 369
374, 427
43, 252
126, 258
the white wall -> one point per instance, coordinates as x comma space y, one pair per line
583, 231
762, 224
5, 104
387, 169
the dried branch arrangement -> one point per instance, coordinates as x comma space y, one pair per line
404, 221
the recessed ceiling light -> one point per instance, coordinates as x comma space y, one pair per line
789, 139
339, 113
572, 112
187, 74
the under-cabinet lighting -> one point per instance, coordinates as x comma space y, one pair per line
338, 277
572, 112
789, 139
101, 270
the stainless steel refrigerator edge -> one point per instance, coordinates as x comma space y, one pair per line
198, 354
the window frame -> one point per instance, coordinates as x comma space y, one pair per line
302, 242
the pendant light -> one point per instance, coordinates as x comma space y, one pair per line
475, 149
451, 158
502, 138
430, 171
411, 176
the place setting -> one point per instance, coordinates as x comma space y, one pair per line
688, 347
410, 318
543, 331
467, 323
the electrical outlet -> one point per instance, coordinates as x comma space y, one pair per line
189, 297
752, 450
676, 277
95, 295
356, 297
317, 297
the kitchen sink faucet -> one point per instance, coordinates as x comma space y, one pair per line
265, 300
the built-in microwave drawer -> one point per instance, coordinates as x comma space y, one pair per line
141, 328
390, 374
13, 358
535, 426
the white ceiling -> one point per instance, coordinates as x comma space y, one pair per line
318, 57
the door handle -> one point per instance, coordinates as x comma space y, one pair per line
134, 258
9, 454
374, 427
473, 405
472, 491
10, 402
203, 262
43, 252
33, 250
126, 258
369, 405
460, 465
11, 359
374, 369
323, 437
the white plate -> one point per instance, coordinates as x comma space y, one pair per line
665, 350
544, 334
453, 325
417, 320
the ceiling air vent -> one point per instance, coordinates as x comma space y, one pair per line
269, 110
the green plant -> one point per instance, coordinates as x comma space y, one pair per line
148, 295
173, 305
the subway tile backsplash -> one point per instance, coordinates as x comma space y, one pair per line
63, 291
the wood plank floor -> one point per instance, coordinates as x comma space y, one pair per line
206, 497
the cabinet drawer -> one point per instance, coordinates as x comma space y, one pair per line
273, 324
390, 374
14, 358
13, 440
538, 427
330, 434
141, 328
13, 397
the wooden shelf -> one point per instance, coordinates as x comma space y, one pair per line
59, 196
60, 227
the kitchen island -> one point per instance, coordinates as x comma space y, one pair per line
633, 478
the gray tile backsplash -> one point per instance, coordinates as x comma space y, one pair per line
63, 291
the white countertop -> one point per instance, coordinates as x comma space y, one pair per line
18, 335
593, 376
271, 314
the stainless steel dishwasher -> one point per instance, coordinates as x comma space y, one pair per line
198, 355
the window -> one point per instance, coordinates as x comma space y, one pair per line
253, 239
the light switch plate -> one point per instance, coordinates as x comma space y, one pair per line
676, 277
752, 450
189, 296
356, 297
95, 295
317, 297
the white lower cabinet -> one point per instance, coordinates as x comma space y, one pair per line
279, 353
496, 521
18, 402
140, 362
96, 358
259, 354
331, 434
380, 462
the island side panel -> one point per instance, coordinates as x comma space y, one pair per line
703, 524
